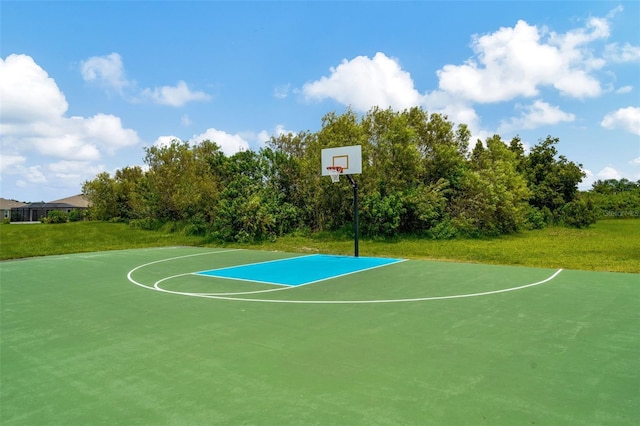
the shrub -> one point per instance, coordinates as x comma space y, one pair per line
55, 216
578, 214
381, 215
76, 215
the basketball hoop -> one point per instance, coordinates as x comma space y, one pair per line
334, 173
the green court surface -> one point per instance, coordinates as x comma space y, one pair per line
136, 337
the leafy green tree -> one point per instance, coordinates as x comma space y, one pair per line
494, 195
182, 181
242, 213
442, 148
613, 198
391, 158
552, 179
102, 197
128, 183
425, 210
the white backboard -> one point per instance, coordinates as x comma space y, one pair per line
347, 157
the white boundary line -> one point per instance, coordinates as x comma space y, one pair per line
224, 296
166, 260
251, 264
156, 286
286, 285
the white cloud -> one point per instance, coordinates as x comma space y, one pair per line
33, 121
538, 114
108, 71
626, 53
34, 175
365, 82
625, 118
587, 181
608, 173
185, 120
28, 93
635, 162
74, 170
174, 95
510, 63
624, 89
281, 130
228, 143
260, 139
29, 175
107, 132
164, 141
9, 162
514, 62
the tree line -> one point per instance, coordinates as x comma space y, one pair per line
419, 176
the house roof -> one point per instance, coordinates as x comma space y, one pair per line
75, 201
8, 204
41, 205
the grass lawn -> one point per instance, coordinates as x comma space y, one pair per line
610, 245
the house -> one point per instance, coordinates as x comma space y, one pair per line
33, 212
6, 206
78, 201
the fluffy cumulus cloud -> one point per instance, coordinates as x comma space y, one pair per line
164, 141
34, 128
624, 118
518, 61
538, 114
228, 143
28, 93
508, 64
175, 96
364, 82
108, 72
608, 173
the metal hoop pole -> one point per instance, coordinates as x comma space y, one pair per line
354, 185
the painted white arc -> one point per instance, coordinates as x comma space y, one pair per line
219, 296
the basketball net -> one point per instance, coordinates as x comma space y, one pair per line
334, 173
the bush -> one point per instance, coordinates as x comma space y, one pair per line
197, 225
55, 216
536, 218
75, 215
578, 214
381, 215
443, 230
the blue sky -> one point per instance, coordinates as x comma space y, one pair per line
86, 85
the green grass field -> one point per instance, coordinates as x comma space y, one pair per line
86, 339
609, 245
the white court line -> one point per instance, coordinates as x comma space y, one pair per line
287, 285
156, 287
166, 260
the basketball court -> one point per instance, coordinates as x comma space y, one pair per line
218, 336
200, 336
